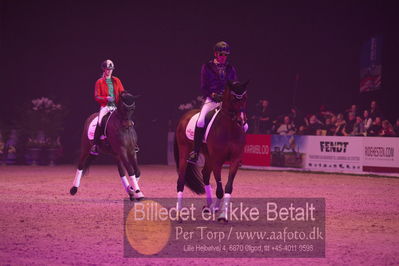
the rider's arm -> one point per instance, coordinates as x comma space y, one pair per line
119, 88
97, 94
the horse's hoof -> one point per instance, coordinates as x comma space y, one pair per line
73, 190
222, 220
138, 195
206, 209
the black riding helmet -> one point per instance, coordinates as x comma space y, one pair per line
222, 47
107, 64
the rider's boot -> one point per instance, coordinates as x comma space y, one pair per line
198, 137
96, 141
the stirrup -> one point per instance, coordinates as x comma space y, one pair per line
94, 150
193, 157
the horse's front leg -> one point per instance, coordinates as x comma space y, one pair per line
124, 180
138, 195
135, 165
223, 217
206, 175
217, 172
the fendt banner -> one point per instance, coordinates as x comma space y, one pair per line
334, 154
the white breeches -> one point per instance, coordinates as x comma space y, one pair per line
103, 111
208, 106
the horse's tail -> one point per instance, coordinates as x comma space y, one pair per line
192, 176
176, 152
193, 179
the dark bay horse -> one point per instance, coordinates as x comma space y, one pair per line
225, 142
121, 140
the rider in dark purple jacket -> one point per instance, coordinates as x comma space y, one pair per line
214, 77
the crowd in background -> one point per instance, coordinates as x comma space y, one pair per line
324, 122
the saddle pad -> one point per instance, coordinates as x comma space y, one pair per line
92, 128
191, 126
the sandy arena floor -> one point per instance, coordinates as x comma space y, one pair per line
41, 223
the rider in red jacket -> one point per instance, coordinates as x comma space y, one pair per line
107, 91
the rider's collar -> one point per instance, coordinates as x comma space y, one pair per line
217, 63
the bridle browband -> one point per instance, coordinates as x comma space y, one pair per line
238, 96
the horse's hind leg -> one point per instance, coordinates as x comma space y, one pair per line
79, 173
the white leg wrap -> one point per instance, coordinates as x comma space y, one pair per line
246, 127
125, 183
179, 200
216, 205
78, 176
226, 202
134, 183
208, 190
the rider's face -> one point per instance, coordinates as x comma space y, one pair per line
108, 72
221, 57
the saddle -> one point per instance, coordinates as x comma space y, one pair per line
209, 118
103, 125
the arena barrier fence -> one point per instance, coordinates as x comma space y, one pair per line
336, 154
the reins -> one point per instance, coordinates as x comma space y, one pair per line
235, 115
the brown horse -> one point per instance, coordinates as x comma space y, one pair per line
225, 142
121, 143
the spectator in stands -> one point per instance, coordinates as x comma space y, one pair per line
296, 117
287, 128
324, 113
301, 130
350, 124
374, 110
353, 109
359, 129
396, 127
313, 125
387, 129
262, 119
320, 132
375, 127
329, 127
339, 125
366, 120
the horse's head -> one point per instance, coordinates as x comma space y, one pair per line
235, 96
126, 104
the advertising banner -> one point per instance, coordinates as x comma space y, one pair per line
288, 151
334, 154
371, 65
381, 155
257, 150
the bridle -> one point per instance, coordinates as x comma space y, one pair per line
125, 121
235, 115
